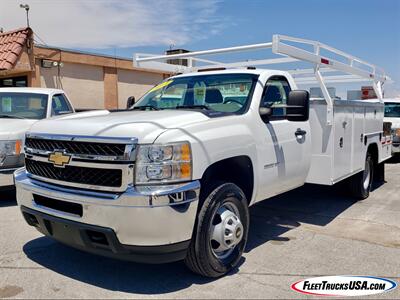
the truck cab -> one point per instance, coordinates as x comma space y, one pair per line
20, 108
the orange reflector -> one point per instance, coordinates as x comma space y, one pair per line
18, 146
186, 170
185, 152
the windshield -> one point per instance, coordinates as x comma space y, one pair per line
225, 93
392, 110
23, 105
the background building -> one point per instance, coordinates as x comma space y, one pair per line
90, 80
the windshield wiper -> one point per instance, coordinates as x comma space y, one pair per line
143, 107
193, 106
11, 117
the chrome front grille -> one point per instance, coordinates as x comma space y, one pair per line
96, 163
80, 148
73, 174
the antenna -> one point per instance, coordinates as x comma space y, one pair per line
26, 7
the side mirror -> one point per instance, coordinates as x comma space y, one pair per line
130, 102
265, 112
298, 106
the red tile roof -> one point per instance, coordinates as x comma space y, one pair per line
11, 45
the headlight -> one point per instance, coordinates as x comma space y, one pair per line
9, 148
163, 163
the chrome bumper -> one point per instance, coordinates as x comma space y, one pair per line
149, 216
396, 148
7, 177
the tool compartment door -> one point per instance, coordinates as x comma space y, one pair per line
343, 141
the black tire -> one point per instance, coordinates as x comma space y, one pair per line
201, 258
358, 188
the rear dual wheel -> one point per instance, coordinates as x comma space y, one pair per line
361, 183
221, 231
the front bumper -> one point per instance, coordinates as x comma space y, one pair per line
395, 147
140, 218
7, 177
101, 240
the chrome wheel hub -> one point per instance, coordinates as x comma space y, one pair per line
226, 231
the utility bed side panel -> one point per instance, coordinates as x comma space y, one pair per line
322, 139
339, 150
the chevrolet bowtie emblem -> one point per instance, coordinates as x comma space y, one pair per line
59, 159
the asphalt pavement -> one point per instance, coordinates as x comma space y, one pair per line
311, 231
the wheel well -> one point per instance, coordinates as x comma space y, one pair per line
238, 170
373, 150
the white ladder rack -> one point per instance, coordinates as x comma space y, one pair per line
356, 70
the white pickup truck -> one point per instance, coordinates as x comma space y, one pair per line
173, 178
392, 115
19, 109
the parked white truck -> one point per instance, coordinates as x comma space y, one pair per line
392, 115
20, 108
173, 178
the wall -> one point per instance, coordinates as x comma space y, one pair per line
85, 87
110, 88
82, 83
134, 83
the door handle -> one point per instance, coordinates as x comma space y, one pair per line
300, 132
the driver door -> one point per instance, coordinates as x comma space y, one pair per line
286, 147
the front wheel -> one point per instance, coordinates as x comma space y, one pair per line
221, 234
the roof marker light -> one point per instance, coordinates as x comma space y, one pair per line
325, 61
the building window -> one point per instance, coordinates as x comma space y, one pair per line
21, 81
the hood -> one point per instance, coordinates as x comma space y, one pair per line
12, 129
79, 115
144, 125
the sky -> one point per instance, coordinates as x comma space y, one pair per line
368, 29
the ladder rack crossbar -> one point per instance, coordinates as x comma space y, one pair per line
251, 63
331, 79
209, 52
